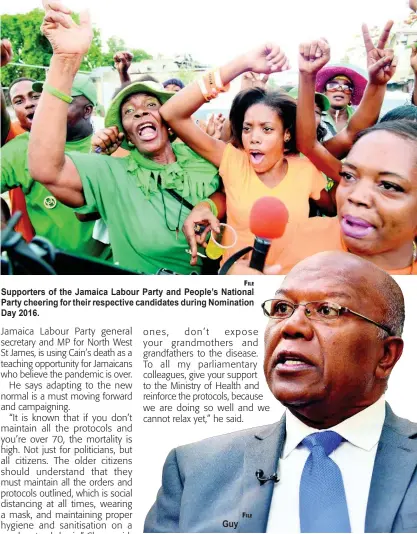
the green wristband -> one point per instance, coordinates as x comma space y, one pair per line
212, 205
55, 92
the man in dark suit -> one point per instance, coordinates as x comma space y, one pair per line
339, 460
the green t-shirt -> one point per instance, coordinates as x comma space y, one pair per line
50, 218
140, 216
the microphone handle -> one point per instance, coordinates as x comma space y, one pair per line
259, 253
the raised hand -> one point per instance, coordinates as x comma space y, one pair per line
381, 61
6, 52
122, 61
215, 126
251, 79
106, 141
66, 37
267, 59
313, 56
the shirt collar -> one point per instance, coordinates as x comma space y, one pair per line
362, 430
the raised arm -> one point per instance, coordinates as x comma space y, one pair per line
6, 56
313, 56
179, 109
47, 161
381, 67
122, 62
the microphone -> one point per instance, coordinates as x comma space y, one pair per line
260, 476
268, 219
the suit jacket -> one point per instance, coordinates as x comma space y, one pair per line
211, 486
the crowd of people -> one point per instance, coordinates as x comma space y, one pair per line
146, 191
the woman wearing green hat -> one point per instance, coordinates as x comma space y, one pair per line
143, 198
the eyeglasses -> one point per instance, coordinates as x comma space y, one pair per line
317, 310
337, 86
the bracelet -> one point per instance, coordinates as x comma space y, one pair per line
55, 92
203, 89
213, 80
213, 207
219, 84
208, 95
218, 81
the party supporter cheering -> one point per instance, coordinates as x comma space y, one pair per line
141, 198
266, 161
51, 219
24, 101
344, 87
251, 173
376, 205
313, 56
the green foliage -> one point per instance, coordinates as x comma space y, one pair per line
186, 76
94, 57
114, 44
29, 45
32, 48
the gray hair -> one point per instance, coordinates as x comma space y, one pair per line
395, 311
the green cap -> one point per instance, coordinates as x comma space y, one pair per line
82, 86
321, 100
113, 113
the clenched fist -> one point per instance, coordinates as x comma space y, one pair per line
107, 141
122, 61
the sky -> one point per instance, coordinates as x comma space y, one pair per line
217, 30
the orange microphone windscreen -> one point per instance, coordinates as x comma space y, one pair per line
268, 218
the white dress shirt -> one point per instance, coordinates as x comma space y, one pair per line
355, 458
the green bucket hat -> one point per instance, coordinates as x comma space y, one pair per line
321, 100
82, 86
113, 113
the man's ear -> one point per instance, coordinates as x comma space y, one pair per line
393, 348
88, 110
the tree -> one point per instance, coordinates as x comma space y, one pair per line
115, 44
32, 48
29, 45
94, 57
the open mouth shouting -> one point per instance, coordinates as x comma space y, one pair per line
292, 362
147, 131
256, 156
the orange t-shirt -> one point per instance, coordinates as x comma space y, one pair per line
318, 234
243, 187
17, 198
15, 129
